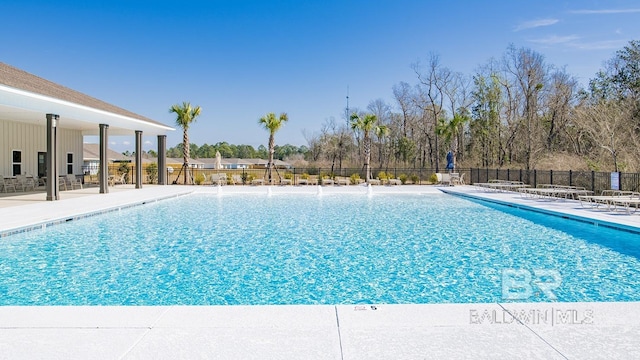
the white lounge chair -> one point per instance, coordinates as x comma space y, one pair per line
236, 180
327, 181
219, 179
443, 178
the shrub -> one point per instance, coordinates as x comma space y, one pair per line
415, 179
199, 179
304, 176
433, 178
124, 169
288, 175
383, 176
354, 178
152, 172
403, 178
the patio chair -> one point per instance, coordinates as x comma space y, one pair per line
62, 183
117, 179
24, 183
6, 184
73, 182
459, 180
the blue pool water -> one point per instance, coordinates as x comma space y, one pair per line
304, 249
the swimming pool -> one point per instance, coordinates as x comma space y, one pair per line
306, 249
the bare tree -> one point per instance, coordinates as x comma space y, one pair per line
606, 122
433, 81
529, 72
560, 102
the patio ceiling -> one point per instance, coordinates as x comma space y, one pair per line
27, 107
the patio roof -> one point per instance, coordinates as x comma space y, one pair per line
26, 98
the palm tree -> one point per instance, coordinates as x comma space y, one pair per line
185, 115
381, 132
272, 124
366, 124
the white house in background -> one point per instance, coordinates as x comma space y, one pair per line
262, 164
42, 125
236, 164
91, 158
176, 163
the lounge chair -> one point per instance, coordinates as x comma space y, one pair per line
219, 179
554, 192
605, 198
626, 202
394, 182
343, 181
327, 181
258, 181
443, 178
6, 184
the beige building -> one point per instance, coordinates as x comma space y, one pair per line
42, 125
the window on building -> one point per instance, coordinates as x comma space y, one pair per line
17, 162
69, 163
42, 164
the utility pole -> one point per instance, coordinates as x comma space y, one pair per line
348, 115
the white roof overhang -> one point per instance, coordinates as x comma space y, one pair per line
27, 107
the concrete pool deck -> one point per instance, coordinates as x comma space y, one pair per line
446, 331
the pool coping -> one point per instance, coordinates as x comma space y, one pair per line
362, 331
632, 228
66, 210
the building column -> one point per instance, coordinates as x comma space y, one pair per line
53, 191
138, 159
103, 168
162, 159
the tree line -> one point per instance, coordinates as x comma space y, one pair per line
515, 111
227, 150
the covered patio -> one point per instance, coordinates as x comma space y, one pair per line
42, 125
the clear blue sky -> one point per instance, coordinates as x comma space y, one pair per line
239, 59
